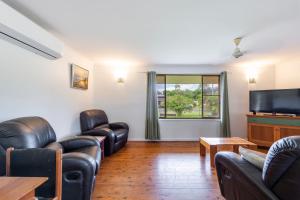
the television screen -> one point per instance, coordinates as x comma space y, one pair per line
275, 101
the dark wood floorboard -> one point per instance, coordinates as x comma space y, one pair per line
157, 171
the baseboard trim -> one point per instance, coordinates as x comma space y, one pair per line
165, 140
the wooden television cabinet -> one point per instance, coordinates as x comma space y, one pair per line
264, 130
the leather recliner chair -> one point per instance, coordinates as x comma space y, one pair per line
279, 179
95, 123
81, 155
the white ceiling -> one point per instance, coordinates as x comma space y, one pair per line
170, 31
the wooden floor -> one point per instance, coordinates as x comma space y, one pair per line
157, 171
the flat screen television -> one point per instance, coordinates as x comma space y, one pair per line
285, 101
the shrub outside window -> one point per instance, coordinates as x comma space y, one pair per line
188, 96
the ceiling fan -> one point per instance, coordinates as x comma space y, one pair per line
237, 52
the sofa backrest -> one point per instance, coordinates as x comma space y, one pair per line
89, 119
23, 133
26, 132
281, 168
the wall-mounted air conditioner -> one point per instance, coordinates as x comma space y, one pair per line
20, 30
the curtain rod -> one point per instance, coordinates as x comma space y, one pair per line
186, 73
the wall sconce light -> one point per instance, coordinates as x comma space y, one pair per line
120, 80
252, 80
120, 75
252, 75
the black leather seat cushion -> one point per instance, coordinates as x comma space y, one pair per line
92, 151
121, 134
102, 126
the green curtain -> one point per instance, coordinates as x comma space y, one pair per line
152, 124
225, 120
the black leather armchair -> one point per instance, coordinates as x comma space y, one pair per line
81, 154
95, 123
279, 179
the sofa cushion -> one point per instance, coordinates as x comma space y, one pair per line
93, 151
102, 126
75, 142
254, 157
121, 134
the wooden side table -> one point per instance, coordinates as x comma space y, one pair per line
101, 139
20, 188
212, 144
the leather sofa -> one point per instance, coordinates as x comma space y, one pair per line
81, 154
279, 178
95, 123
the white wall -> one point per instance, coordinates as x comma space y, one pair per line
287, 74
32, 85
126, 102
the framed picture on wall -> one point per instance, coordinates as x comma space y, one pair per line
79, 77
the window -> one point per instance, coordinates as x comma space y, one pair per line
188, 96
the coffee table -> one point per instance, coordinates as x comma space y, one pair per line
21, 188
213, 144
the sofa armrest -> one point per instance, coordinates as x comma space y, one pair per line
78, 175
109, 140
54, 146
118, 125
238, 179
76, 142
100, 132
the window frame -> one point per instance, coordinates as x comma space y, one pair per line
185, 118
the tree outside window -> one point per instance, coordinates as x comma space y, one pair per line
188, 96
